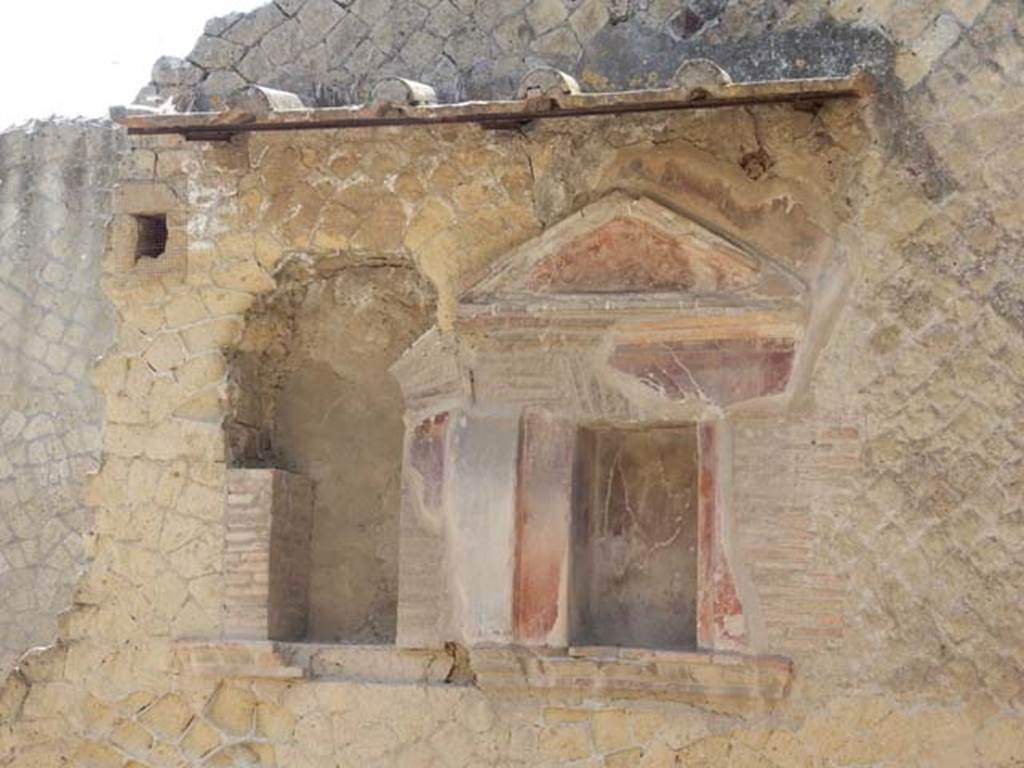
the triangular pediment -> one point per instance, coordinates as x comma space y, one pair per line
627, 252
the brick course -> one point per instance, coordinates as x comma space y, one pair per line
267, 528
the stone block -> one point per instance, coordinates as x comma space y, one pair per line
139, 164
274, 722
611, 730
215, 53
588, 19
255, 66
545, 15
346, 36
917, 61
220, 84
131, 737
565, 742
200, 740
172, 71
138, 197
232, 710
252, 27
281, 44
166, 353
290, 7
218, 25
167, 717
316, 18
211, 335
93, 754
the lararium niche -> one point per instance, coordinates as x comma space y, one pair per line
567, 453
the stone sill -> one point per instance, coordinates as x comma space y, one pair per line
315, 661
240, 658
724, 681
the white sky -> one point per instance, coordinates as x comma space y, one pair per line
78, 57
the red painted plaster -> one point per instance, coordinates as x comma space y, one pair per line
543, 513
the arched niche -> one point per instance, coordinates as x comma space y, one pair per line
316, 436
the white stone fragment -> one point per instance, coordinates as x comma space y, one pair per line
547, 81
399, 90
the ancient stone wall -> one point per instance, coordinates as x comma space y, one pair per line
878, 520
334, 51
55, 184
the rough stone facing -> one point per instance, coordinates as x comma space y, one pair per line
478, 51
877, 523
55, 184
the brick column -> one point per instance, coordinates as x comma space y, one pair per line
267, 527
423, 612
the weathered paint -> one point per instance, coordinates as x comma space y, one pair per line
723, 372
629, 255
543, 518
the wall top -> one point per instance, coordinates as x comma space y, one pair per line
561, 100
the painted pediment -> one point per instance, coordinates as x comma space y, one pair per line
626, 252
629, 254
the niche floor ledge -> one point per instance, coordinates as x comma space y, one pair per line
728, 682
724, 681
316, 661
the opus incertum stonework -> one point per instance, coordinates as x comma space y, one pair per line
591, 383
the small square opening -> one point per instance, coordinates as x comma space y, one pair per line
150, 236
634, 550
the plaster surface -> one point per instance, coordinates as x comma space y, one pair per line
877, 522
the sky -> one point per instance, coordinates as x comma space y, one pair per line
78, 57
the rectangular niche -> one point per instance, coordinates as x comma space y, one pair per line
634, 537
151, 236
